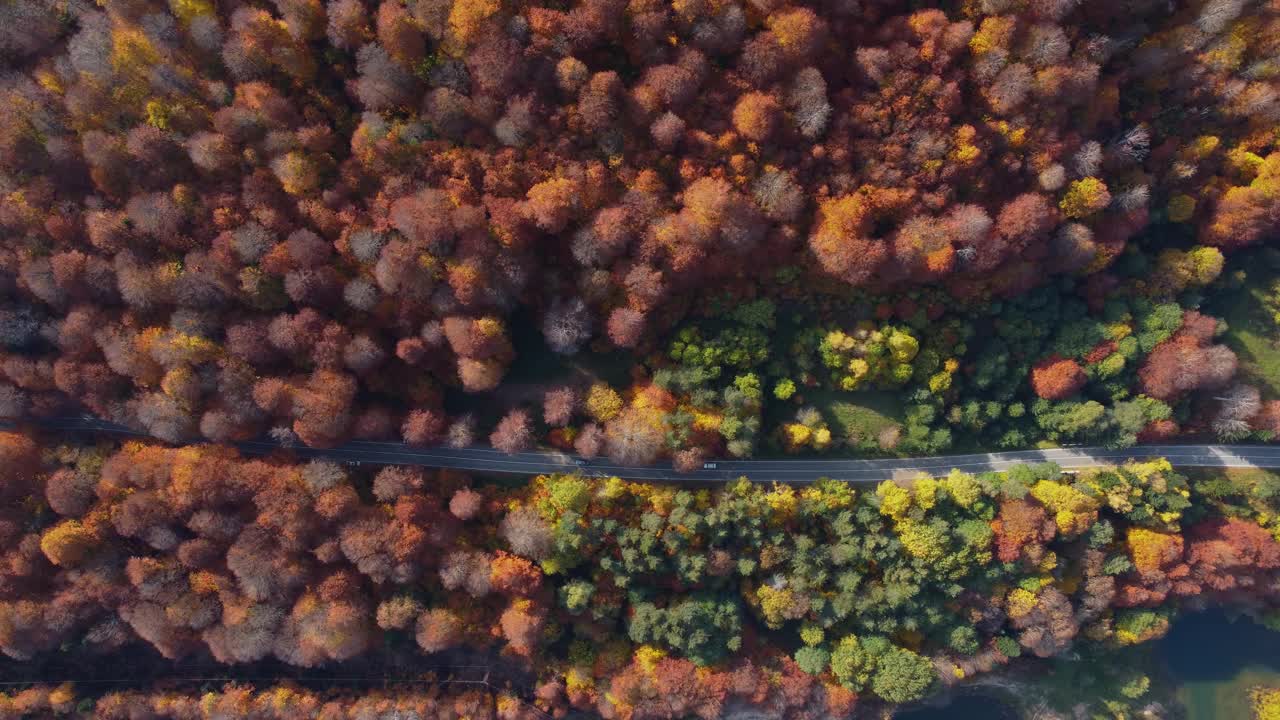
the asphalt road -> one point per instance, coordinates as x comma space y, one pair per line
488, 460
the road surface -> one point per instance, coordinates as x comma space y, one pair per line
488, 460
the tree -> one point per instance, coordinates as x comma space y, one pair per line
703, 628
635, 437
1227, 554
1027, 217
597, 101
520, 623
70, 493
1056, 378
1244, 212
467, 570
1238, 403
603, 402
1177, 270
1009, 89
841, 240
438, 629
399, 34
67, 543
576, 596
756, 115
1266, 703
667, 130
479, 375
397, 613
1021, 529
348, 25
590, 440
1085, 197
1152, 550
423, 427
567, 325
808, 100
514, 433
461, 432
383, 84
626, 327
813, 660
19, 460
465, 504
553, 203
851, 663
902, 676
527, 533
559, 405
514, 575
1186, 362
393, 481
321, 408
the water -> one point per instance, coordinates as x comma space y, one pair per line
1216, 661
969, 706
1212, 662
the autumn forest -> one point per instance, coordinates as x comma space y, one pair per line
647, 233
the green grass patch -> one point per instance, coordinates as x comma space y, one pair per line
1252, 335
861, 415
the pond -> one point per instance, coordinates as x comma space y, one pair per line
1211, 661
967, 706
1215, 661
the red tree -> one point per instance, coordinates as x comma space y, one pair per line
558, 406
1056, 378
514, 433
424, 427
514, 575
1187, 361
1021, 530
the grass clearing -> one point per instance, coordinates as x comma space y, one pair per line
861, 415
1251, 334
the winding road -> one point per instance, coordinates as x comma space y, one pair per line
488, 460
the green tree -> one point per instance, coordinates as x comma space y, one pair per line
703, 628
963, 639
851, 663
1071, 420
812, 660
568, 493
749, 385
1131, 416
757, 314
902, 676
575, 595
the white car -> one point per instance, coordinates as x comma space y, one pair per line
708, 466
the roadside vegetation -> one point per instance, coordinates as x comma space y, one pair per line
616, 595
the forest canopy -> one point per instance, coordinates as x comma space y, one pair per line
648, 231
321, 220
623, 599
